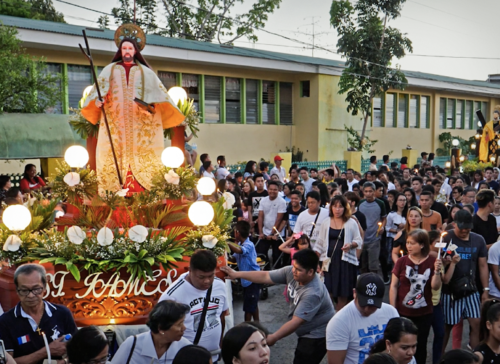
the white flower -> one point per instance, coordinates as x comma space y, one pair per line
76, 235
209, 241
72, 179
172, 177
228, 200
138, 233
12, 243
105, 236
122, 193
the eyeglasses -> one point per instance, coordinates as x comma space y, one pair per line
26, 292
103, 360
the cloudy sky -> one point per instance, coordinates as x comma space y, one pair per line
450, 37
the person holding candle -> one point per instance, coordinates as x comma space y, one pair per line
246, 257
34, 326
396, 219
413, 278
413, 221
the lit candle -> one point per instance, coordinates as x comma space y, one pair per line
379, 227
49, 358
441, 245
278, 233
401, 252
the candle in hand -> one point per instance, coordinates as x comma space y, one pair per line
379, 227
401, 252
441, 245
278, 233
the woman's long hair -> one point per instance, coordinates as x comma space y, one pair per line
396, 327
26, 169
407, 225
413, 201
85, 345
249, 168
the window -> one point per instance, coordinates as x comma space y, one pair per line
286, 109
54, 69
389, 110
377, 112
79, 77
402, 101
477, 106
450, 113
484, 110
212, 99
252, 87
268, 102
233, 100
442, 112
169, 79
305, 88
459, 122
412, 118
190, 83
469, 119
424, 112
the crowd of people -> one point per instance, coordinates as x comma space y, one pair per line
370, 263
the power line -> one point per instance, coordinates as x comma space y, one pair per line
446, 12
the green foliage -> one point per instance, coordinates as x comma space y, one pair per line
369, 46
81, 126
165, 190
34, 9
446, 138
192, 118
297, 154
205, 20
354, 140
25, 84
470, 166
86, 189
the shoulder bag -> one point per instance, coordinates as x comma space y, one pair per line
465, 285
132, 350
326, 263
203, 316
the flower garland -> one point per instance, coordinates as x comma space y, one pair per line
211, 237
173, 184
73, 186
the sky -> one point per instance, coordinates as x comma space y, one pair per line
454, 38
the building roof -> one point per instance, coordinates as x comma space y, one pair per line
320, 65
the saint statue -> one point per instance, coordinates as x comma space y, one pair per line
490, 145
136, 130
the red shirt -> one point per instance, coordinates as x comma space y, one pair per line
127, 68
414, 296
36, 184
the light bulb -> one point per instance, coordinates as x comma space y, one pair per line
177, 94
16, 217
172, 157
201, 213
447, 164
455, 142
473, 146
492, 158
462, 158
76, 156
206, 186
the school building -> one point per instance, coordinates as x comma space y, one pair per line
253, 103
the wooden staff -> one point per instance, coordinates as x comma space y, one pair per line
89, 57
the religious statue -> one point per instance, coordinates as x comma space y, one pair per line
138, 108
490, 145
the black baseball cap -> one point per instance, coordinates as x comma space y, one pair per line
463, 218
370, 290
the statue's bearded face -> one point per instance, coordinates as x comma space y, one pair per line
128, 52
496, 116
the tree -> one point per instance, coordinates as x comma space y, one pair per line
369, 46
25, 84
206, 21
34, 9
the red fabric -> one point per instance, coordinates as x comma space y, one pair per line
408, 293
404, 166
457, 333
127, 68
36, 184
132, 184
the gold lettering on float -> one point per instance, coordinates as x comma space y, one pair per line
114, 287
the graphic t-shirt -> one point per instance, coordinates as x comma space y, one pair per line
349, 330
305, 223
414, 295
310, 302
470, 251
184, 292
292, 216
256, 197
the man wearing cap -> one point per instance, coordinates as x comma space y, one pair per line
353, 330
278, 169
310, 305
466, 255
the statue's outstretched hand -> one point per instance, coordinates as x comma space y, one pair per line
99, 103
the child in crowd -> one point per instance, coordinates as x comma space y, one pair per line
244, 208
300, 241
246, 257
489, 333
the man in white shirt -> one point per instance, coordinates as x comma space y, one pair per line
311, 218
222, 171
351, 181
306, 181
353, 330
208, 170
278, 169
191, 289
271, 211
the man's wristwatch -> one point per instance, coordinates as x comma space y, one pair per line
486, 289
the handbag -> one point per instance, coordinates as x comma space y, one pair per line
314, 224
465, 285
203, 316
132, 350
325, 266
